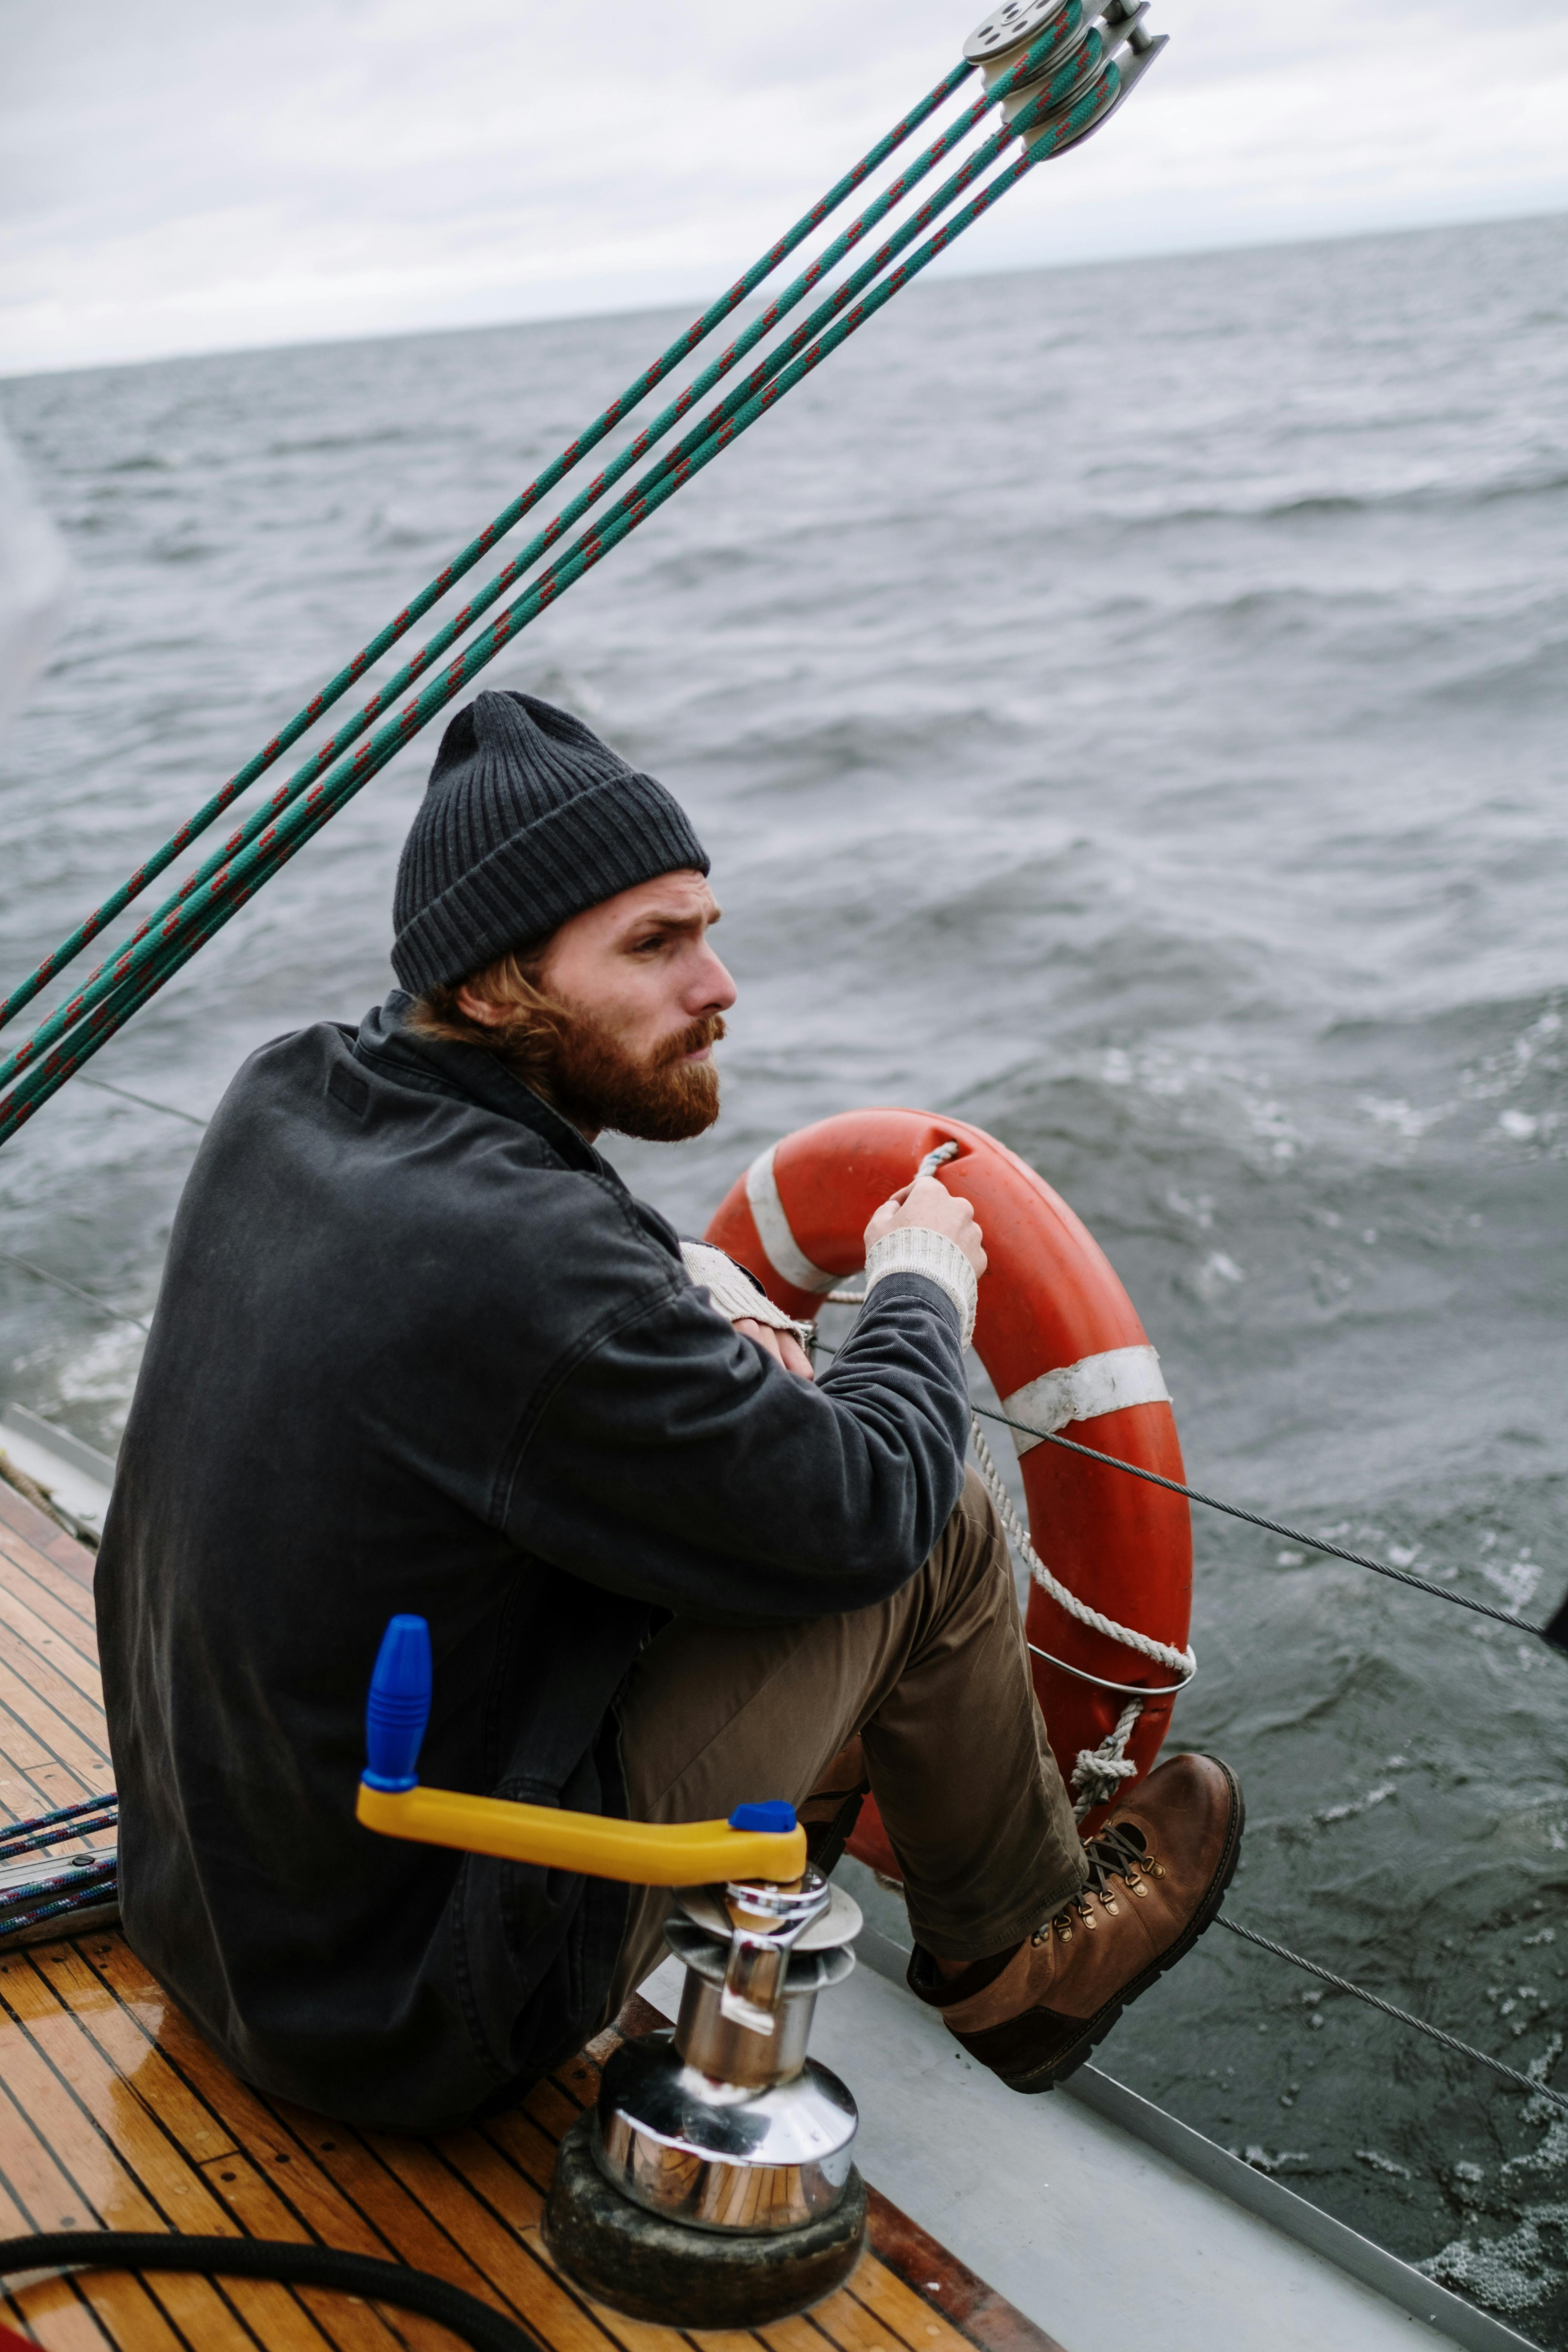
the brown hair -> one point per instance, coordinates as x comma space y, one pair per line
526, 1038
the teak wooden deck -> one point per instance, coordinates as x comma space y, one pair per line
115, 2114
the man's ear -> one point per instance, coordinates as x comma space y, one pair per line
482, 1009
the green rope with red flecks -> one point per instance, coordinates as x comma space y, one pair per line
1058, 111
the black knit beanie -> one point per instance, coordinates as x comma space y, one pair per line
527, 819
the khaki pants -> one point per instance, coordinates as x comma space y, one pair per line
936, 1681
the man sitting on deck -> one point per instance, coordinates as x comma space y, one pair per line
418, 1349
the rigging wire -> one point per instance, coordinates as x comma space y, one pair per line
1554, 1633
1402, 2016
117, 1313
167, 919
88, 1887
1030, 64
1550, 1632
146, 1101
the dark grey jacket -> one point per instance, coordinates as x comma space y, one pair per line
418, 1349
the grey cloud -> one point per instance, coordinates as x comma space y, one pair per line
180, 176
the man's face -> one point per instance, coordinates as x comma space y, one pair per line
646, 996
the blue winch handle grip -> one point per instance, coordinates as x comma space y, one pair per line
398, 1707
773, 1815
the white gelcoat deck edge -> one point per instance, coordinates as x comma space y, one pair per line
1128, 2245
59, 1463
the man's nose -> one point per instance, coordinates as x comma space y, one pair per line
711, 990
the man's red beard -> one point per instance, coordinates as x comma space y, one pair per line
593, 1081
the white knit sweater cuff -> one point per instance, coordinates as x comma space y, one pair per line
916, 1249
733, 1292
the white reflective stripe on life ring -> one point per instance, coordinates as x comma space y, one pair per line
1082, 1391
784, 1253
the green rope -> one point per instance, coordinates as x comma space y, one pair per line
99, 981
273, 836
464, 562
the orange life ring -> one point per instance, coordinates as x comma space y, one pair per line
1064, 1347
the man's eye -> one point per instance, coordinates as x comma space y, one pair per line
648, 947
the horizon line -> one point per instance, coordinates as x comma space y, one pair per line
631, 310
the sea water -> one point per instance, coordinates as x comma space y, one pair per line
1126, 708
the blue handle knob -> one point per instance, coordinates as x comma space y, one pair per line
772, 1813
398, 1707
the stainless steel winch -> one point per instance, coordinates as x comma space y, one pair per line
715, 2179
726, 2122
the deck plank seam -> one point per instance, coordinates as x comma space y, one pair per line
240, 2162
76, 1618
413, 2150
17, 1735
38, 1634
354, 2232
10, 1683
53, 2162
118, 2163
76, 1592
459, 2269
237, 2152
39, 1798
28, 1671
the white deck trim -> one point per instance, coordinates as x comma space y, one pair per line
78, 1476
1325, 2284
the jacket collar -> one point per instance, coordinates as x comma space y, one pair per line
433, 1065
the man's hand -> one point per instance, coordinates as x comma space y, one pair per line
930, 1204
782, 1344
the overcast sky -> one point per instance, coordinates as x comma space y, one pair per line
184, 176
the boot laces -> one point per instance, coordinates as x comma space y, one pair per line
1120, 1851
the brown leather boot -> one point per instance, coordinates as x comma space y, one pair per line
1157, 1872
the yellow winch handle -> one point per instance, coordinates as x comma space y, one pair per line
759, 1840
645, 1854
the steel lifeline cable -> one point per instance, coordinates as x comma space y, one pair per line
1056, 69
1557, 1633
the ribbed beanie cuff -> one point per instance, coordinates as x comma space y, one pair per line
526, 820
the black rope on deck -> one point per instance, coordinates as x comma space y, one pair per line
65, 1885
476, 2324
69, 1820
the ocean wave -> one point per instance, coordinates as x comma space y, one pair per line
1170, 781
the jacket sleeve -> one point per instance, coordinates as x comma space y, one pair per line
677, 1462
